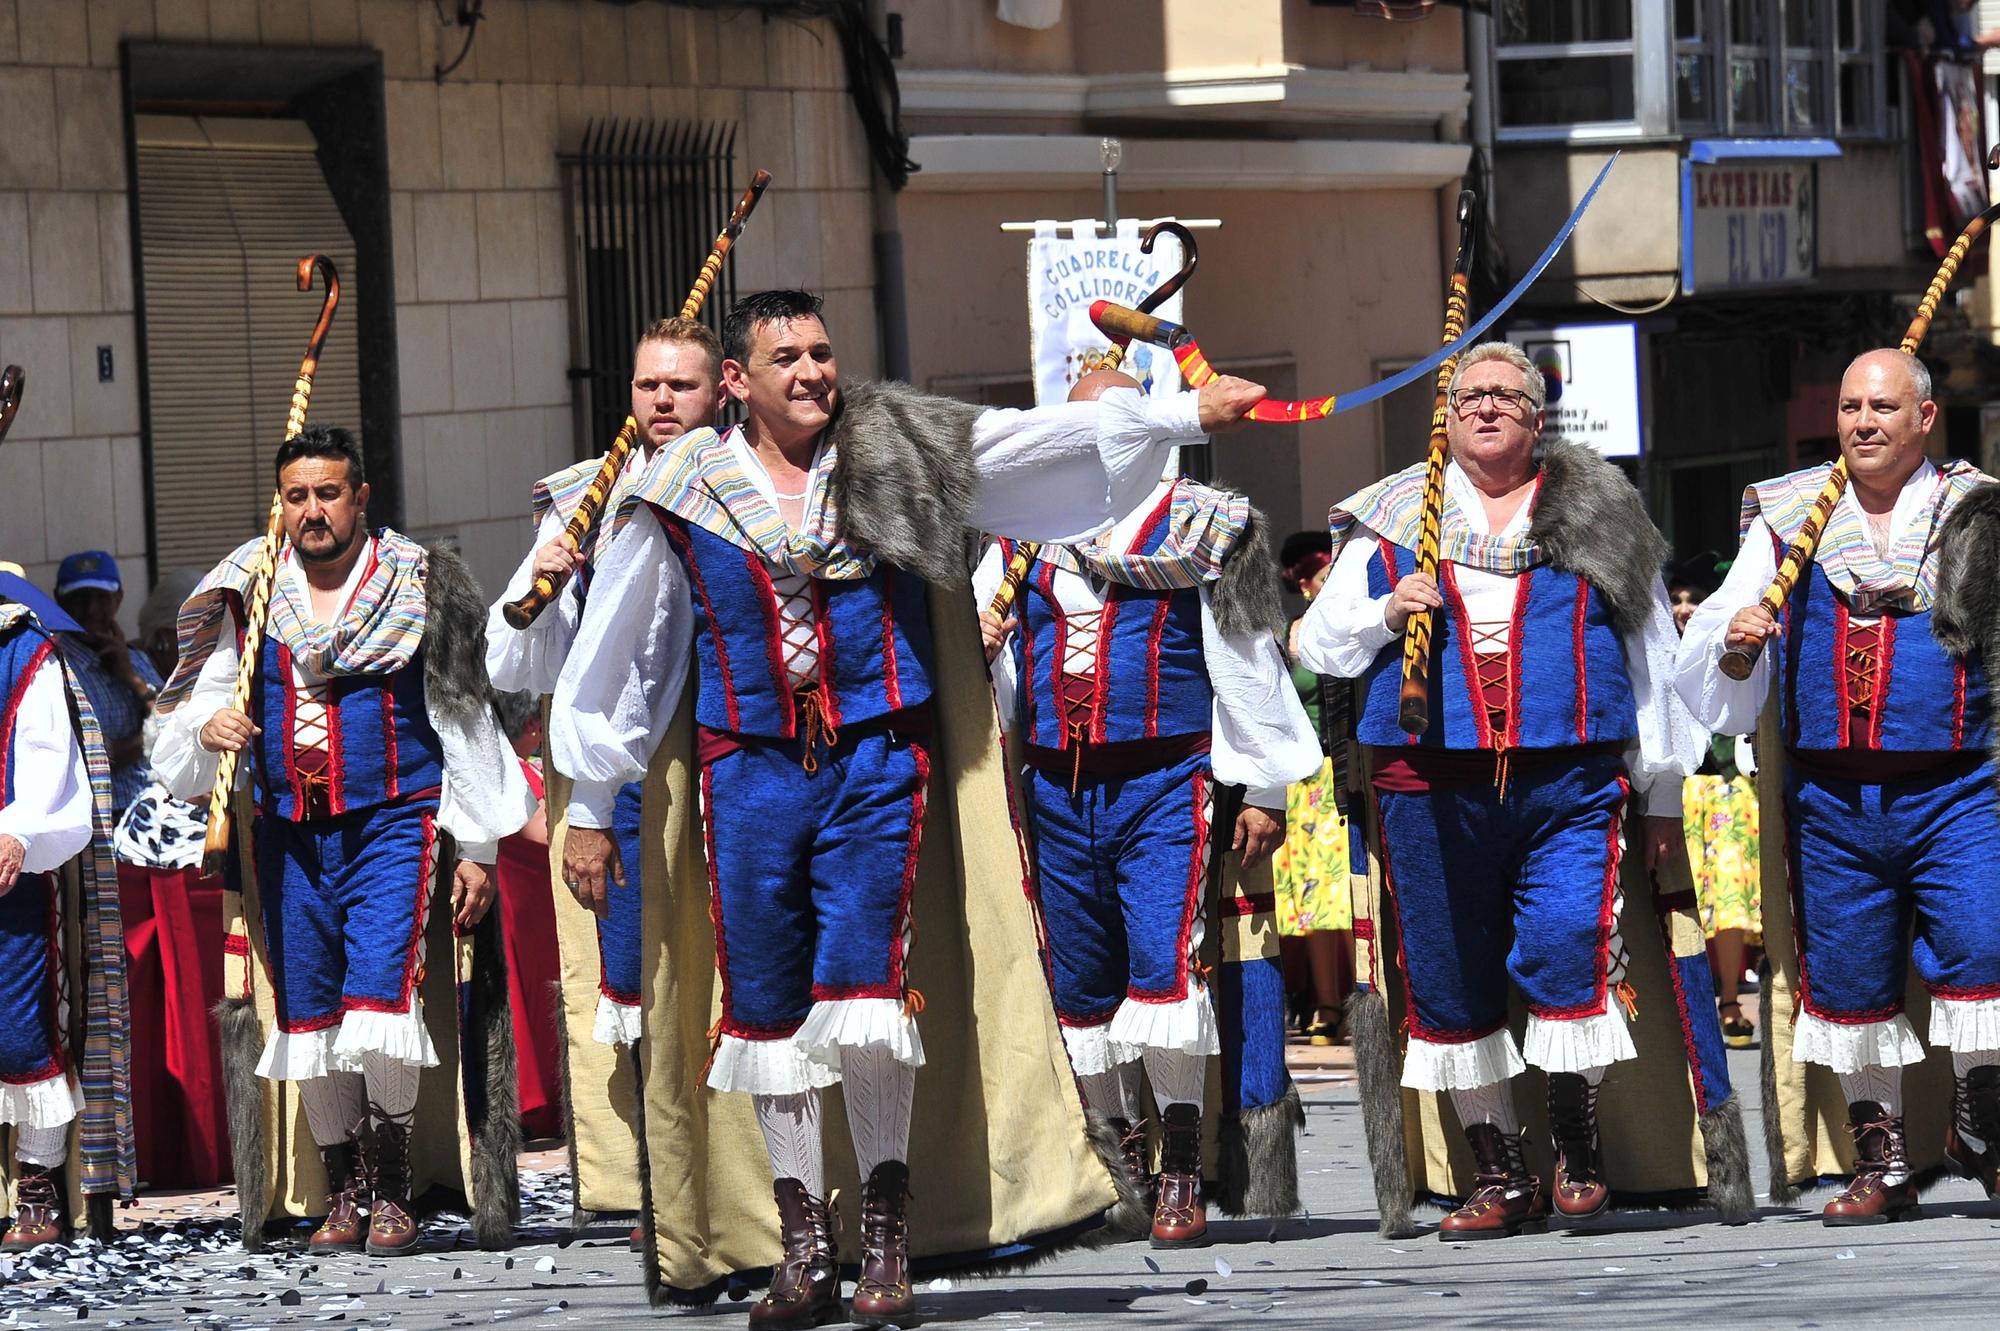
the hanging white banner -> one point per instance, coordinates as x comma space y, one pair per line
1069, 267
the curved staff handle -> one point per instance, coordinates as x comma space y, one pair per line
13, 381
215, 848
1413, 711
1190, 256
1738, 662
525, 611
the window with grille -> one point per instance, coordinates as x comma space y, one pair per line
647, 201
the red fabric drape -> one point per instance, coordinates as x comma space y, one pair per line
173, 944
528, 917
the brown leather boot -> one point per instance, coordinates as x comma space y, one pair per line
1506, 1199
345, 1228
1878, 1153
38, 1209
805, 1284
1975, 1117
883, 1293
392, 1229
1138, 1151
1180, 1218
1580, 1189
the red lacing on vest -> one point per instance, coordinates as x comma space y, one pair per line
1492, 671
1863, 664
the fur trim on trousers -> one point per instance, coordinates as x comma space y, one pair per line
1131, 1217
1257, 1158
1782, 1191
1728, 1154
486, 1045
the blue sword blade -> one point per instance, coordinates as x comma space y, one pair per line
1428, 365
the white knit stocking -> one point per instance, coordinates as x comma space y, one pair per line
791, 1137
44, 1147
879, 1090
392, 1086
1964, 1063
1178, 1078
1492, 1103
1104, 1092
1882, 1085
336, 1104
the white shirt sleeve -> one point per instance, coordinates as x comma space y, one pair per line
1261, 738
1006, 685
1671, 744
180, 763
50, 813
485, 797
1064, 472
1727, 706
1344, 629
618, 690
528, 660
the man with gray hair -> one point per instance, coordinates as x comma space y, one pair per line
1501, 829
1877, 765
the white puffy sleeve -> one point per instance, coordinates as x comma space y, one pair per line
1262, 739
528, 660
619, 688
1006, 684
50, 812
1064, 472
1345, 629
180, 763
485, 797
1671, 743
1725, 705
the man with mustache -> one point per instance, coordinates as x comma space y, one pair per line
805, 579
676, 387
369, 733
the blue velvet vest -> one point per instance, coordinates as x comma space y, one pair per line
874, 640
379, 736
22, 648
1917, 698
1566, 679
1151, 678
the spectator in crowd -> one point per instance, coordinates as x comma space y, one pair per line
160, 616
119, 682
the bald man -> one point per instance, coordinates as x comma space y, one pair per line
1888, 801
1144, 671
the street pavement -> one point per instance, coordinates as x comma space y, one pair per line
1326, 1268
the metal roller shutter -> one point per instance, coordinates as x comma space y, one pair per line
226, 210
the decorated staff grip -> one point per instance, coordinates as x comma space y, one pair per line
525, 611
1738, 662
12, 381
1010, 584
215, 847
1128, 324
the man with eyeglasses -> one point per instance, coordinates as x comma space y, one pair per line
1551, 717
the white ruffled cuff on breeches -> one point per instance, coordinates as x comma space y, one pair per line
810, 1058
1578, 1044
1182, 1026
1850, 1048
1090, 1051
49, 1103
617, 1023
1464, 1065
1965, 1025
303, 1055
766, 1067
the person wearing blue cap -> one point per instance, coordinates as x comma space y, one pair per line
57, 883
120, 682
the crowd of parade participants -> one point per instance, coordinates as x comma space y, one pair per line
820, 693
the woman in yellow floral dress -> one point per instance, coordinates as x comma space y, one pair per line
1315, 904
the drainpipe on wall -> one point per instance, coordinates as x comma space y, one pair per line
891, 297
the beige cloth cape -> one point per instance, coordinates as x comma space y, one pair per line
1001, 1169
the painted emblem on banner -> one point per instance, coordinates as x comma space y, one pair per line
1070, 266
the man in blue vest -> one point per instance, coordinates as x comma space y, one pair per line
1552, 728
369, 733
1882, 661
1144, 672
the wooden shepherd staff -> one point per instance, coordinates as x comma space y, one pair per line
1738, 662
536, 599
1414, 703
215, 850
